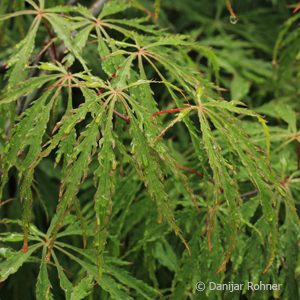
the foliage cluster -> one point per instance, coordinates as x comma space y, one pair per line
130, 168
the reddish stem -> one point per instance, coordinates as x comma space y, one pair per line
194, 172
109, 80
25, 245
297, 8
249, 194
97, 282
229, 7
52, 86
190, 170
7, 201
127, 120
170, 110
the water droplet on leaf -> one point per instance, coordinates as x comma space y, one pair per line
233, 20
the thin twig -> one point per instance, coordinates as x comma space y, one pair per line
297, 8
254, 192
251, 193
121, 116
229, 7
7, 201
194, 172
189, 170
127, 120
170, 110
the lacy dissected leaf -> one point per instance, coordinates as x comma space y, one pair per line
113, 7
65, 283
103, 174
221, 177
43, 284
81, 38
78, 164
250, 158
13, 263
288, 241
83, 289
127, 280
66, 135
31, 126
26, 87
62, 27
77, 168
104, 183
284, 33
21, 58
114, 280
152, 176
109, 65
152, 134
135, 106
124, 72
137, 23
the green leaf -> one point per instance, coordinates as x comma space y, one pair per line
113, 7
65, 284
6, 253
47, 66
14, 262
239, 87
81, 38
280, 110
156, 8
30, 121
26, 87
166, 255
136, 23
43, 284
21, 58
62, 27
124, 72
83, 289
12, 237
107, 282
125, 278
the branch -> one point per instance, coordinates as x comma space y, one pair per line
121, 116
254, 192
194, 172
